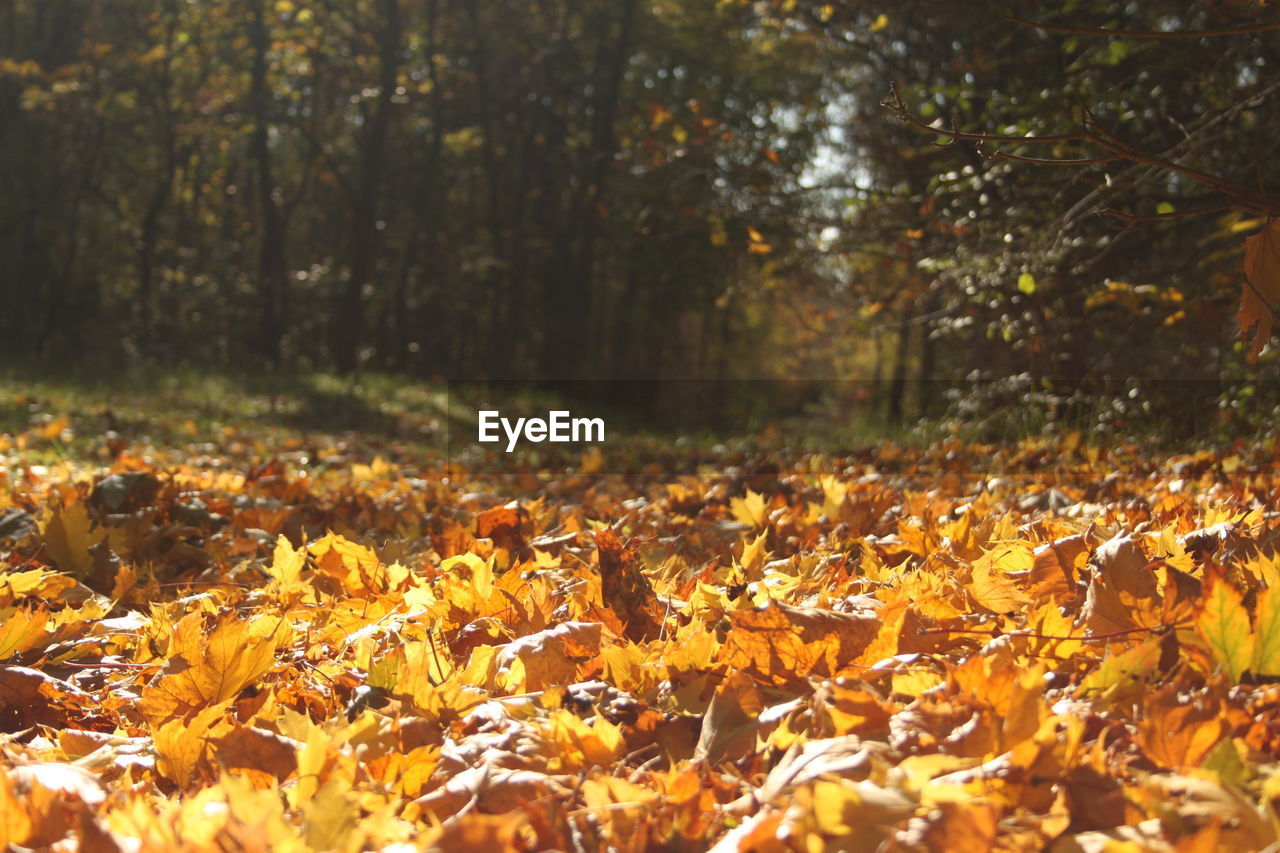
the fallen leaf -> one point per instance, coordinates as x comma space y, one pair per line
207, 668
784, 644
627, 590
1223, 624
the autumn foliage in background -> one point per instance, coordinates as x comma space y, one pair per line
677, 188
316, 643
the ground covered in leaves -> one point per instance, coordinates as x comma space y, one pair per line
313, 644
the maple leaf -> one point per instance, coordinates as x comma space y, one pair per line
861, 813
33, 583
250, 750
552, 657
992, 588
968, 827
29, 697
503, 525
287, 564
68, 538
23, 629
1266, 648
581, 744
783, 644
857, 710
181, 744
1122, 593
332, 818
1257, 316
751, 510
209, 668
732, 720
1223, 624
355, 566
1116, 670
1056, 564
1177, 733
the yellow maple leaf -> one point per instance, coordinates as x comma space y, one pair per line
357, 567
1223, 624
1117, 670
207, 668
580, 744
992, 588
68, 538
1266, 648
750, 510
858, 809
782, 643
23, 629
181, 744
333, 818
287, 563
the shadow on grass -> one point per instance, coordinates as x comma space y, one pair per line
180, 405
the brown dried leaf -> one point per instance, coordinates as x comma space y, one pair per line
250, 748
627, 590
1262, 288
503, 524
1122, 592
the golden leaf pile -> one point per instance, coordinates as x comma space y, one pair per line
961, 648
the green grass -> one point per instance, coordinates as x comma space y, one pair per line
185, 412
152, 410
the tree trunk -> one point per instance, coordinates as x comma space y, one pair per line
572, 300
273, 270
349, 319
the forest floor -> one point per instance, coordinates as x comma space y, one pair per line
269, 618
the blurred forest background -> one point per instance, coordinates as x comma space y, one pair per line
587, 189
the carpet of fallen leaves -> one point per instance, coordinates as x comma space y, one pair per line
962, 648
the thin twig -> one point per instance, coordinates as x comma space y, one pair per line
1146, 34
996, 633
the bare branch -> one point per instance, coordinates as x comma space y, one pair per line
1049, 161
1146, 34
1160, 217
899, 108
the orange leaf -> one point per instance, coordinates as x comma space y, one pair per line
267, 753
502, 525
626, 590
1180, 735
783, 644
1123, 593
1262, 290
551, 657
181, 744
